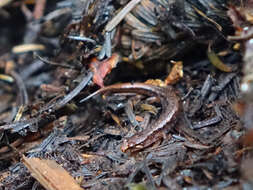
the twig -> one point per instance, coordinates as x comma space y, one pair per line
120, 16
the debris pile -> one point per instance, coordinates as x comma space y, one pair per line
125, 94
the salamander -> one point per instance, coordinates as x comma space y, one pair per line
171, 106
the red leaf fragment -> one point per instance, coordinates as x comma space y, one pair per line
102, 68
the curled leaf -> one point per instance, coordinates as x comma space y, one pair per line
102, 68
215, 60
176, 73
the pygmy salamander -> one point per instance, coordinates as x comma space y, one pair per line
171, 107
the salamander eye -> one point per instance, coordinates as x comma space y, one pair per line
131, 144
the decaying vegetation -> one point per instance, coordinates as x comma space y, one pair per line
125, 94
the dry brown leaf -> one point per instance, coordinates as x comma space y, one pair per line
50, 174
176, 73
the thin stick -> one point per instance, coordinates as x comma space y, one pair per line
120, 16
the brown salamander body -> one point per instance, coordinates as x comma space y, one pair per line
171, 106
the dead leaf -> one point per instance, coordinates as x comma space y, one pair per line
50, 174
